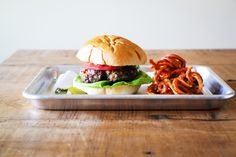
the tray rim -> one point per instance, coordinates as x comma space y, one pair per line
128, 96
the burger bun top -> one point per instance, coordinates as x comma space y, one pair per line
111, 50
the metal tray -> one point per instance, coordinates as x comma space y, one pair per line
215, 93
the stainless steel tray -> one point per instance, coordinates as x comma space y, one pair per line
215, 93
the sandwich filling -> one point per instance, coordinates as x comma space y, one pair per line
103, 76
123, 73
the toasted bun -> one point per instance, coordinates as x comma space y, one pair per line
111, 50
126, 89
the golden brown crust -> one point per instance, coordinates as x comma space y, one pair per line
111, 50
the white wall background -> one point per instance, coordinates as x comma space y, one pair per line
153, 24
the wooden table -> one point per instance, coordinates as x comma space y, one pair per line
27, 131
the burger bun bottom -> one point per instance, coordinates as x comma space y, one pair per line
120, 90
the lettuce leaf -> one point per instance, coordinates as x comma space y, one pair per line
142, 78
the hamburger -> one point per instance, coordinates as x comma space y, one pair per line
111, 66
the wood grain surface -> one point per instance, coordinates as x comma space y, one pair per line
27, 131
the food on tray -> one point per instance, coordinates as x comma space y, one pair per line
173, 77
111, 66
64, 81
64, 84
74, 90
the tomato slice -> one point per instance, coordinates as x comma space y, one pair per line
101, 67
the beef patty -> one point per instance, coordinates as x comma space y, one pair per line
126, 73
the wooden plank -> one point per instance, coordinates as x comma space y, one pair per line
52, 57
26, 131
205, 57
42, 57
117, 137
